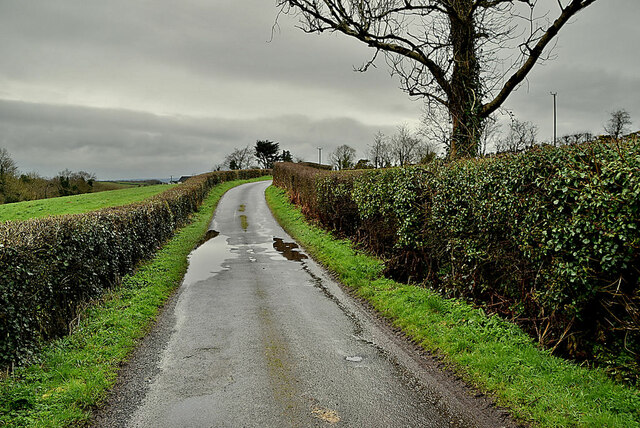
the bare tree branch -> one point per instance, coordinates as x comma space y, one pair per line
447, 51
534, 55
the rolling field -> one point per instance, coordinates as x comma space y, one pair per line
77, 203
103, 186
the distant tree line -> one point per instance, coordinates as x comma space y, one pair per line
16, 186
522, 135
407, 147
261, 156
401, 149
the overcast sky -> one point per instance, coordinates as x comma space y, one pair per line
154, 88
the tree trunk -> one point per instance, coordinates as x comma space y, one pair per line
465, 99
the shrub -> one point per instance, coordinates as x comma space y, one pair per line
49, 267
549, 238
300, 183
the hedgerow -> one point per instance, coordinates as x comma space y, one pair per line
549, 238
300, 181
50, 267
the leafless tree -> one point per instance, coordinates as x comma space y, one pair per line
425, 152
436, 126
239, 158
405, 146
8, 171
7, 164
451, 52
489, 135
379, 151
577, 138
89, 177
521, 136
618, 124
343, 157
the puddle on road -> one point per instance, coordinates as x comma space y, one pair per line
289, 250
208, 236
208, 258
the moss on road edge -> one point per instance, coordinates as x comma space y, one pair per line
492, 355
75, 373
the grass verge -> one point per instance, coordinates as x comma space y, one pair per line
78, 203
75, 373
491, 354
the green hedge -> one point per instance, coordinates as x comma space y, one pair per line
52, 266
549, 238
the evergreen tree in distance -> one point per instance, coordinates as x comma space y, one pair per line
267, 153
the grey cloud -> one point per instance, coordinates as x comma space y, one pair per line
586, 97
212, 38
128, 144
196, 58
211, 59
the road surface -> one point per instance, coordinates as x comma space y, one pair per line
259, 335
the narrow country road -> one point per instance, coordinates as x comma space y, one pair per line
260, 336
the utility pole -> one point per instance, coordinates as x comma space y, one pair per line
320, 155
555, 141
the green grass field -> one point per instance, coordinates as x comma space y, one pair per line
77, 203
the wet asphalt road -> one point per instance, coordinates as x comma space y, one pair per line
260, 336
